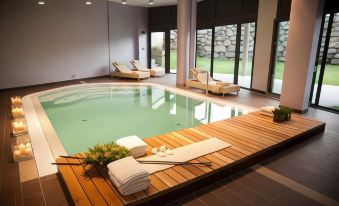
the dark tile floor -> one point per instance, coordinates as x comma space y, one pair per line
312, 163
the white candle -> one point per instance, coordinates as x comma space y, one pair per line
17, 153
17, 111
22, 148
28, 151
16, 100
19, 126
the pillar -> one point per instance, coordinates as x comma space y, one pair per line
246, 42
302, 44
186, 21
266, 14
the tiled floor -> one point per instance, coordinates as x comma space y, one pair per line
312, 163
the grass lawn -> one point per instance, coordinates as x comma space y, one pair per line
331, 76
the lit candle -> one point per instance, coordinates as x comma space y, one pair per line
22, 148
16, 100
17, 153
28, 151
17, 111
19, 126
29, 145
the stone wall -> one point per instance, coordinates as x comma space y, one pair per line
225, 40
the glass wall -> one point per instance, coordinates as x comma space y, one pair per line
327, 81
224, 52
158, 49
173, 49
204, 49
279, 56
246, 54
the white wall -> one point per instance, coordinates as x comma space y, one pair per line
65, 39
266, 15
126, 39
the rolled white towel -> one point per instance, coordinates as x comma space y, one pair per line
125, 170
268, 110
134, 144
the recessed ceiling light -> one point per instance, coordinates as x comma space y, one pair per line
151, 2
124, 1
41, 3
88, 2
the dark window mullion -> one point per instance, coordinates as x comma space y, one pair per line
324, 57
317, 58
212, 51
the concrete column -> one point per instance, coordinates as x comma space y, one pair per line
246, 41
186, 35
266, 15
302, 43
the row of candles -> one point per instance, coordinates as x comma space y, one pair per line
22, 150
18, 111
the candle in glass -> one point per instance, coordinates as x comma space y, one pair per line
19, 126
17, 111
16, 100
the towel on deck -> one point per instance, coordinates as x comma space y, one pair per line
136, 146
268, 110
128, 175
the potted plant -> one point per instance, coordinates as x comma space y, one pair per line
282, 113
103, 154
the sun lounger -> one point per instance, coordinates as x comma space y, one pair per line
155, 72
214, 86
121, 70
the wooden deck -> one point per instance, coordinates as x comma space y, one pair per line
253, 137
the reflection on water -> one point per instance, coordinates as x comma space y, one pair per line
118, 111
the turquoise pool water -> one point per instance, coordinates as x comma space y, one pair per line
88, 115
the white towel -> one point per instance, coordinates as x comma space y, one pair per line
136, 146
268, 110
125, 170
133, 186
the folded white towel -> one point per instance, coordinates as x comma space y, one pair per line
125, 170
133, 186
134, 144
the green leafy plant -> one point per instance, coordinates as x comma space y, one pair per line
103, 154
282, 113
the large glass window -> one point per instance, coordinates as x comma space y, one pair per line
224, 52
327, 79
204, 49
173, 49
246, 54
158, 49
279, 56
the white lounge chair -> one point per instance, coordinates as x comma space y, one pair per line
155, 72
215, 86
121, 70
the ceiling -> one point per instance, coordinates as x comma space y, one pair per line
144, 3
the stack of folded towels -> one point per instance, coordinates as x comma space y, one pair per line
136, 146
268, 110
128, 175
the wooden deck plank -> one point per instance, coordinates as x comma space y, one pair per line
92, 192
247, 134
78, 194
